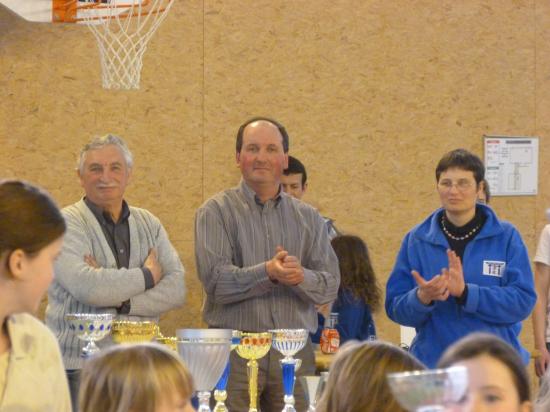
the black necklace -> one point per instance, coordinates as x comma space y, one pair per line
449, 234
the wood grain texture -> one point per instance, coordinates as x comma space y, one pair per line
372, 94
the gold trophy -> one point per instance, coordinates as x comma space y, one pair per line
170, 341
253, 346
125, 331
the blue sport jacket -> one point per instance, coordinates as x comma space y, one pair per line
497, 271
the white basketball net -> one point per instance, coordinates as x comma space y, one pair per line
122, 29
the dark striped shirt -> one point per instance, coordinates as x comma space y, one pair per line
235, 235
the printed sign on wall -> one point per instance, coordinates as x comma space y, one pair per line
511, 165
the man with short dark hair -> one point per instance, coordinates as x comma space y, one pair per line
294, 182
265, 261
294, 178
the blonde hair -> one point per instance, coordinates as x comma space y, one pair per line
133, 378
357, 378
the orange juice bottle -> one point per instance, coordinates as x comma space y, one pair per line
330, 338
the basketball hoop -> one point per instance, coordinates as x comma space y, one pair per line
122, 29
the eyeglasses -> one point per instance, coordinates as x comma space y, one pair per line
462, 185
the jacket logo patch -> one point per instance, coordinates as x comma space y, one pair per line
493, 268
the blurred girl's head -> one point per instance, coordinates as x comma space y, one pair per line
357, 274
31, 231
357, 380
135, 378
498, 381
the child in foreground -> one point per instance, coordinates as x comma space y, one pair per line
143, 377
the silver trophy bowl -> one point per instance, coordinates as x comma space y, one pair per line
289, 341
206, 353
430, 390
90, 327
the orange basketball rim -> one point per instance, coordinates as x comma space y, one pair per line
66, 11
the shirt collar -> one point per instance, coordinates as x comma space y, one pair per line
251, 196
104, 217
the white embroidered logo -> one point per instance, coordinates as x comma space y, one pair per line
493, 268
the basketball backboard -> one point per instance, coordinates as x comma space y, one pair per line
68, 11
31, 10
122, 29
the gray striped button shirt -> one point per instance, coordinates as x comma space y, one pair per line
235, 235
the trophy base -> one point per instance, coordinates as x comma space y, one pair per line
204, 401
90, 349
220, 407
289, 404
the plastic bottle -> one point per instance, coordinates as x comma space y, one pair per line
371, 332
330, 338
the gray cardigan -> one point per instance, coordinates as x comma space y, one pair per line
79, 288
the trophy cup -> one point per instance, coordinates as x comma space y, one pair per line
169, 341
90, 327
289, 342
206, 353
313, 387
220, 394
253, 346
430, 390
126, 331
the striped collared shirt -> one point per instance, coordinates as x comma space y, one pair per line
235, 234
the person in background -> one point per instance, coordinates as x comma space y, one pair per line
462, 270
32, 377
357, 381
294, 183
359, 294
497, 378
144, 377
116, 258
542, 400
484, 195
541, 328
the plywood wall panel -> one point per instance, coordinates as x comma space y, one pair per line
542, 96
372, 93
54, 103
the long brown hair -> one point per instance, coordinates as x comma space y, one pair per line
29, 218
357, 379
357, 274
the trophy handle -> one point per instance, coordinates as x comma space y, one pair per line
289, 378
253, 384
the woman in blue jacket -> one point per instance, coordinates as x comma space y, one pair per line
359, 294
462, 270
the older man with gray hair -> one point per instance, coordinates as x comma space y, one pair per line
115, 258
